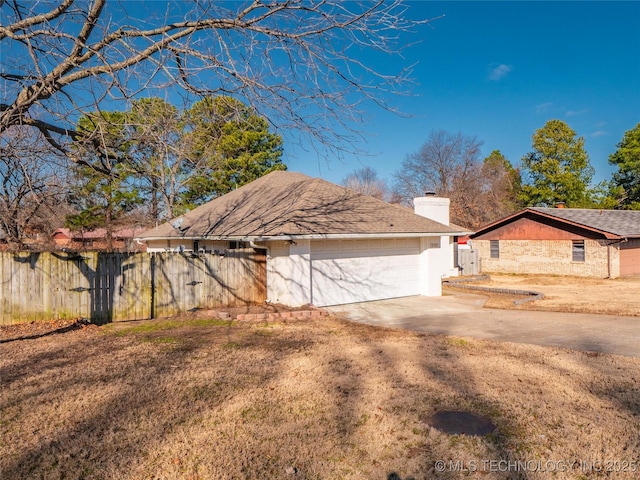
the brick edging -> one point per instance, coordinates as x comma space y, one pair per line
290, 315
531, 295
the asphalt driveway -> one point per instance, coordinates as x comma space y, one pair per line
462, 315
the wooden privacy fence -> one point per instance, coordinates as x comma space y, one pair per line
468, 261
107, 287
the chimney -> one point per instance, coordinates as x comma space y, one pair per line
560, 205
432, 207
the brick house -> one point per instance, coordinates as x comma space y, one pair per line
96, 240
562, 241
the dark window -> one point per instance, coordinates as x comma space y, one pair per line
196, 245
577, 252
495, 248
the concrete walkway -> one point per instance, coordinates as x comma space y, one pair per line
462, 315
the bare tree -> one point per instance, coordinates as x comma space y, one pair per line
448, 165
31, 187
161, 155
365, 180
296, 62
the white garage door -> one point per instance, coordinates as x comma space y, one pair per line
348, 271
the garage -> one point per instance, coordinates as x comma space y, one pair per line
630, 257
349, 271
324, 244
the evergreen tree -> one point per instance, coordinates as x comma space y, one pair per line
233, 146
558, 168
102, 191
626, 181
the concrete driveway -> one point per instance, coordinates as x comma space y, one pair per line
462, 315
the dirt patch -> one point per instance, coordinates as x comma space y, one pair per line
198, 398
257, 309
551, 280
33, 330
568, 294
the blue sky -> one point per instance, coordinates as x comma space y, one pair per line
499, 71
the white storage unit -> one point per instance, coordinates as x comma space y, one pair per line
348, 271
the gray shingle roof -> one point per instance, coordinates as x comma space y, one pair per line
624, 223
286, 204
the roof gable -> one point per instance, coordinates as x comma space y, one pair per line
286, 204
623, 223
612, 224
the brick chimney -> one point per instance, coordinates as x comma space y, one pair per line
560, 205
432, 207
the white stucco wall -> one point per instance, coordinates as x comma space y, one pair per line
290, 277
435, 208
289, 272
436, 262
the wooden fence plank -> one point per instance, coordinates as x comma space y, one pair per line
5, 300
122, 286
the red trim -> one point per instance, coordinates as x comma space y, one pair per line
521, 213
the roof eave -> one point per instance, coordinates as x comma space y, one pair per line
315, 236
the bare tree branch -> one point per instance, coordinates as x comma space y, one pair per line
31, 187
365, 180
293, 61
34, 20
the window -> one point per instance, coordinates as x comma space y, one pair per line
495, 248
577, 252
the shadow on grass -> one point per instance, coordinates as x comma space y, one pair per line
127, 409
77, 325
274, 400
459, 392
395, 476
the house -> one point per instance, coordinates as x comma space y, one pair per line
324, 244
122, 239
562, 241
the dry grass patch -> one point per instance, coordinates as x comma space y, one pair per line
568, 294
313, 399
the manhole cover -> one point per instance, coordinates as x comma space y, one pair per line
460, 423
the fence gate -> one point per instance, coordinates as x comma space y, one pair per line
469, 262
183, 283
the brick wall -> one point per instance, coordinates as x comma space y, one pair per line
549, 257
